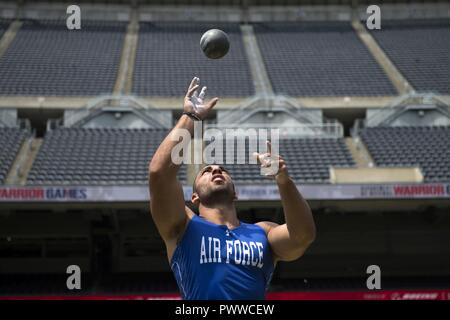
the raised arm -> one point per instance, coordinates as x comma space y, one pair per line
166, 194
290, 240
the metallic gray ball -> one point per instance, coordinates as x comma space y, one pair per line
215, 43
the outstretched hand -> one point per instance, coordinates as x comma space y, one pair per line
194, 101
272, 166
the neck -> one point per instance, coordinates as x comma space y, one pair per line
224, 214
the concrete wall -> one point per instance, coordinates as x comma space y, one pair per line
412, 117
121, 12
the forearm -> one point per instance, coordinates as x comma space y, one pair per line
161, 162
297, 213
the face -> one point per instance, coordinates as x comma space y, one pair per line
213, 184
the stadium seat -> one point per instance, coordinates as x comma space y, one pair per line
425, 147
319, 59
47, 59
77, 156
168, 56
419, 49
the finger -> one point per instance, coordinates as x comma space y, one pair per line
191, 91
260, 157
194, 81
267, 163
202, 93
212, 103
195, 95
265, 160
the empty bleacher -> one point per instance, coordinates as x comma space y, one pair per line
11, 140
420, 50
47, 59
169, 55
308, 160
427, 147
319, 59
78, 156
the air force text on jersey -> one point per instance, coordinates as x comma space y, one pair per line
237, 252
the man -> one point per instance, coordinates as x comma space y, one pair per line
214, 255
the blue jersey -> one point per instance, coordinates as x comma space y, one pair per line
212, 262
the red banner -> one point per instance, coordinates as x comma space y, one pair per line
364, 295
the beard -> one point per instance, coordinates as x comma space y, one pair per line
216, 194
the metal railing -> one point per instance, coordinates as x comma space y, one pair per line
390, 111
115, 101
264, 102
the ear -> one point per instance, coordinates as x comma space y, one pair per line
195, 199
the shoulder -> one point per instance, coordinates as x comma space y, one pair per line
266, 225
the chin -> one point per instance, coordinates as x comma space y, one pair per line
220, 189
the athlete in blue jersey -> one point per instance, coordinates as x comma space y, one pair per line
213, 255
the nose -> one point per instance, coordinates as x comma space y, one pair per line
216, 170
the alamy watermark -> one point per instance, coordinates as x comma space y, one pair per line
217, 145
374, 280
73, 22
74, 280
374, 20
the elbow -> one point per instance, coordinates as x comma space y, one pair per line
299, 247
310, 236
306, 238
